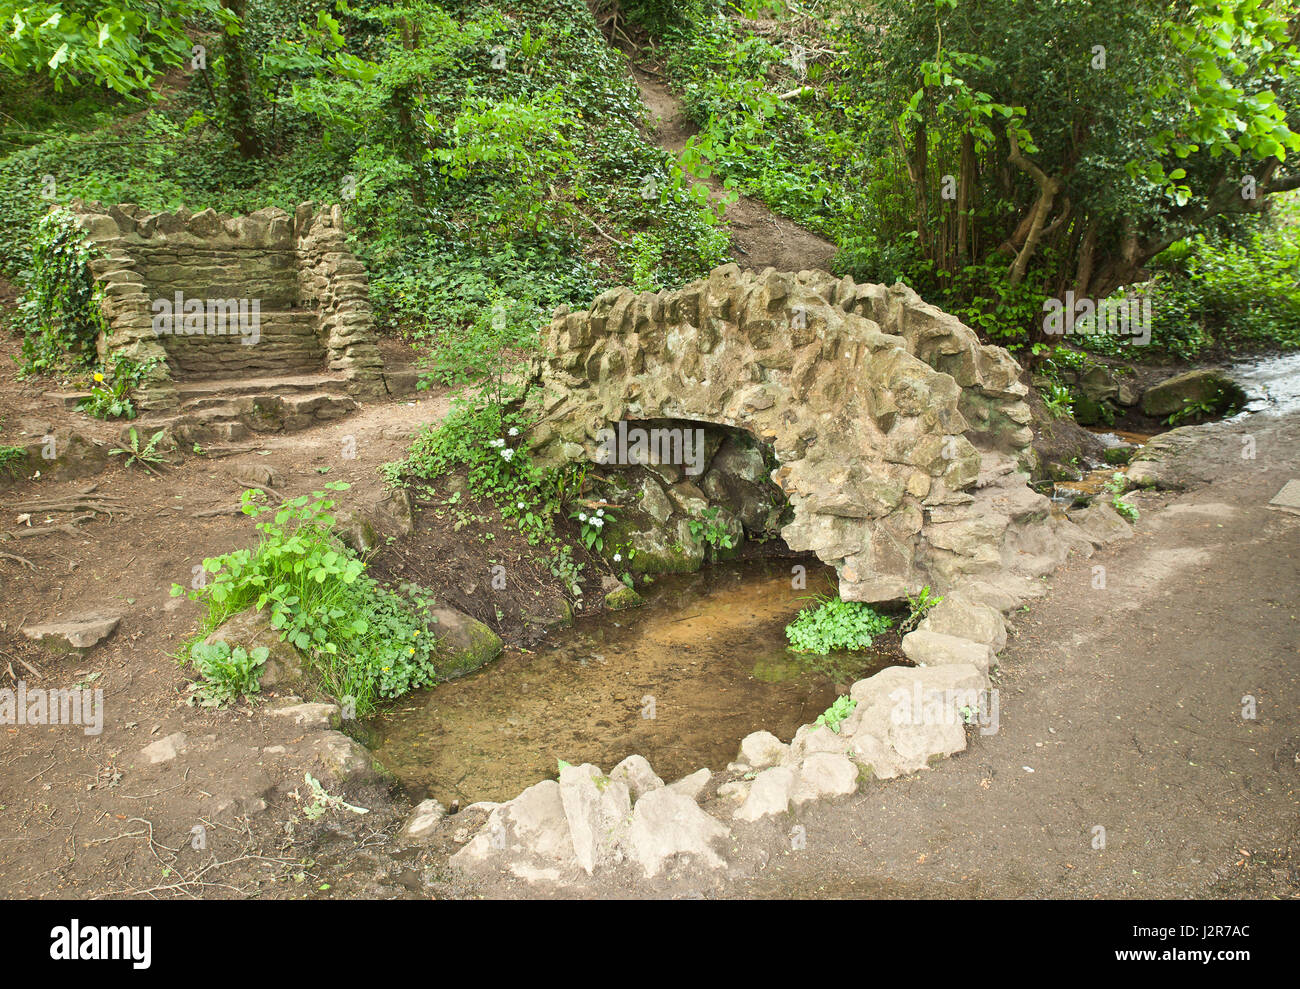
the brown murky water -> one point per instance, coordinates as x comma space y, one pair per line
1094, 481
680, 680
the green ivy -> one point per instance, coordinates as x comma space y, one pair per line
59, 313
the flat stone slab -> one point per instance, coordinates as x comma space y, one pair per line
1288, 499
74, 634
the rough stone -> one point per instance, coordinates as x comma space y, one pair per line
464, 643
667, 823
309, 715
762, 749
825, 774
597, 808
422, 821
622, 598
904, 373
960, 616
694, 785
73, 635
1101, 524
904, 718
1203, 386
165, 749
927, 648
769, 794
531, 826
637, 773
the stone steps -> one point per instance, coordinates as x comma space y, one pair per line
195, 393
226, 410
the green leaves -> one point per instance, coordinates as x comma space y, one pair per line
836, 624
361, 640
59, 312
836, 713
122, 45
225, 674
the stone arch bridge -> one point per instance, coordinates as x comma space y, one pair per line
901, 440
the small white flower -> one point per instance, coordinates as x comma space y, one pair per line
522, 506
582, 516
497, 443
514, 430
507, 455
598, 523
600, 512
618, 557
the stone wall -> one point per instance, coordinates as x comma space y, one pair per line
332, 281
897, 433
299, 295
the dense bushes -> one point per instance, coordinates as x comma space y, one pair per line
1215, 294
924, 137
477, 152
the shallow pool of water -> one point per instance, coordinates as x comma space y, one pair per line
680, 680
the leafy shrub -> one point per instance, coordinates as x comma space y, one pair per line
918, 606
146, 456
1215, 293
110, 393
708, 527
482, 351
225, 675
836, 624
363, 641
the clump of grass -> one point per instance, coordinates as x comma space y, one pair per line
12, 459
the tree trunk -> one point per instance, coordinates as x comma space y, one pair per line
239, 91
1048, 187
963, 197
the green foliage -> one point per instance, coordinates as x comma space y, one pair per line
12, 459
492, 347
225, 675
592, 527
835, 624
708, 527
868, 123
110, 393
834, 715
918, 605
122, 45
363, 641
1217, 293
1059, 401
146, 456
59, 314
477, 154
1115, 488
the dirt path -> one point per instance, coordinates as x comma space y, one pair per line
1127, 705
761, 239
82, 815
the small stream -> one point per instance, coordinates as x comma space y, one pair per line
1272, 384
706, 655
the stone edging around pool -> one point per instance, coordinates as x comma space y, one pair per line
904, 719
